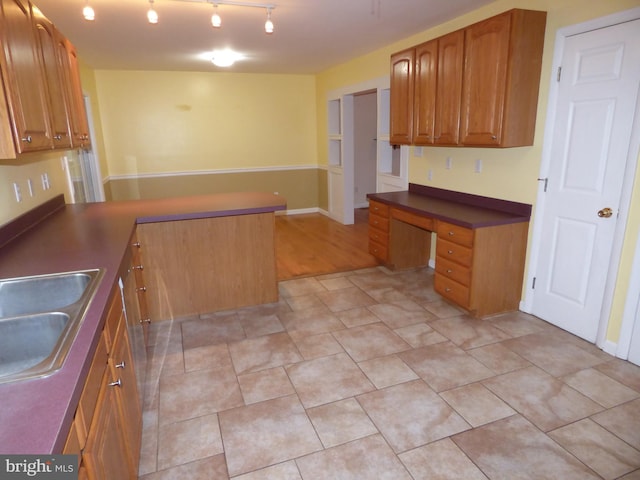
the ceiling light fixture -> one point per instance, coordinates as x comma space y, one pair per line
152, 15
216, 21
225, 58
88, 13
268, 25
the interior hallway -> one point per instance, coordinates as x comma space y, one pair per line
369, 374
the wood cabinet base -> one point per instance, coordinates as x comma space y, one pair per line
205, 265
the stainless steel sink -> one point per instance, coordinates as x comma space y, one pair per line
39, 319
41, 293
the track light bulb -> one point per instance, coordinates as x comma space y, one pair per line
216, 21
88, 12
152, 15
268, 25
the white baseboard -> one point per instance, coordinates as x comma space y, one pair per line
299, 211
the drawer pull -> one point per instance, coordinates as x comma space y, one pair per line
450, 252
120, 365
451, 234
447, 289
117, 383
139, 267
136, 244
449, 270
141, 289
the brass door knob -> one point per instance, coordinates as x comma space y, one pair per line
605, 212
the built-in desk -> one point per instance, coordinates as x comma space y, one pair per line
480, 243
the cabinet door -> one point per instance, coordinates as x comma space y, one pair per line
23, 78
79, 123
106, 455
401, 97
122, 370
55, 79
485, 72
449, 89
424, 105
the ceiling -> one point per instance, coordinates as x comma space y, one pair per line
309, 36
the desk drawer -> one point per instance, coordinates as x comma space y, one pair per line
378, 250
379, 222
456, 234
453, 270
452, 290
453, 251
412, 218
377, 208
379, 236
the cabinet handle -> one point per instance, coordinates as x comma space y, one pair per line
117, 383
449, 270
136, 244
447, 289
120, 365
141, 289
451, 234
139, 267
450, 252
57, 137
145, 320
494, 137
27, 139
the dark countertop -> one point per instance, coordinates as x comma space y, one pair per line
466, 210
35, 415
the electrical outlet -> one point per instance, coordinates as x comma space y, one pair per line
448, 163
18, 193
417, 151
478, 165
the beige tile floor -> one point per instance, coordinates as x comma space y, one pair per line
371, 375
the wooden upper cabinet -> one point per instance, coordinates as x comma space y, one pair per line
23, 80
503, 58
401, 97
438, 85
473, 87
79, 123
424, 103
56, 79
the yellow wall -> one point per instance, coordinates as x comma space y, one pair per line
159, 122
510, 173
30, 167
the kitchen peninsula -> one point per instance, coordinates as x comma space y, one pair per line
36, 415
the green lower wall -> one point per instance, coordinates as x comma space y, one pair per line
301, 187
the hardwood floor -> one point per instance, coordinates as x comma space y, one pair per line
314, 244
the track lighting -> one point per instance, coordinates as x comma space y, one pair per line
152, 15
268, 25
88, 13
216, 21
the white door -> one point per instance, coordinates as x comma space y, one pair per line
594, 114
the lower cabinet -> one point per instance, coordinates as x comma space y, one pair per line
107, 429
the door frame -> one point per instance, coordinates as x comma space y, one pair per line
346, 168
627, 187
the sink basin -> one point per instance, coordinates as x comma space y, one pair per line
39, 319
27, 341
41, 293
